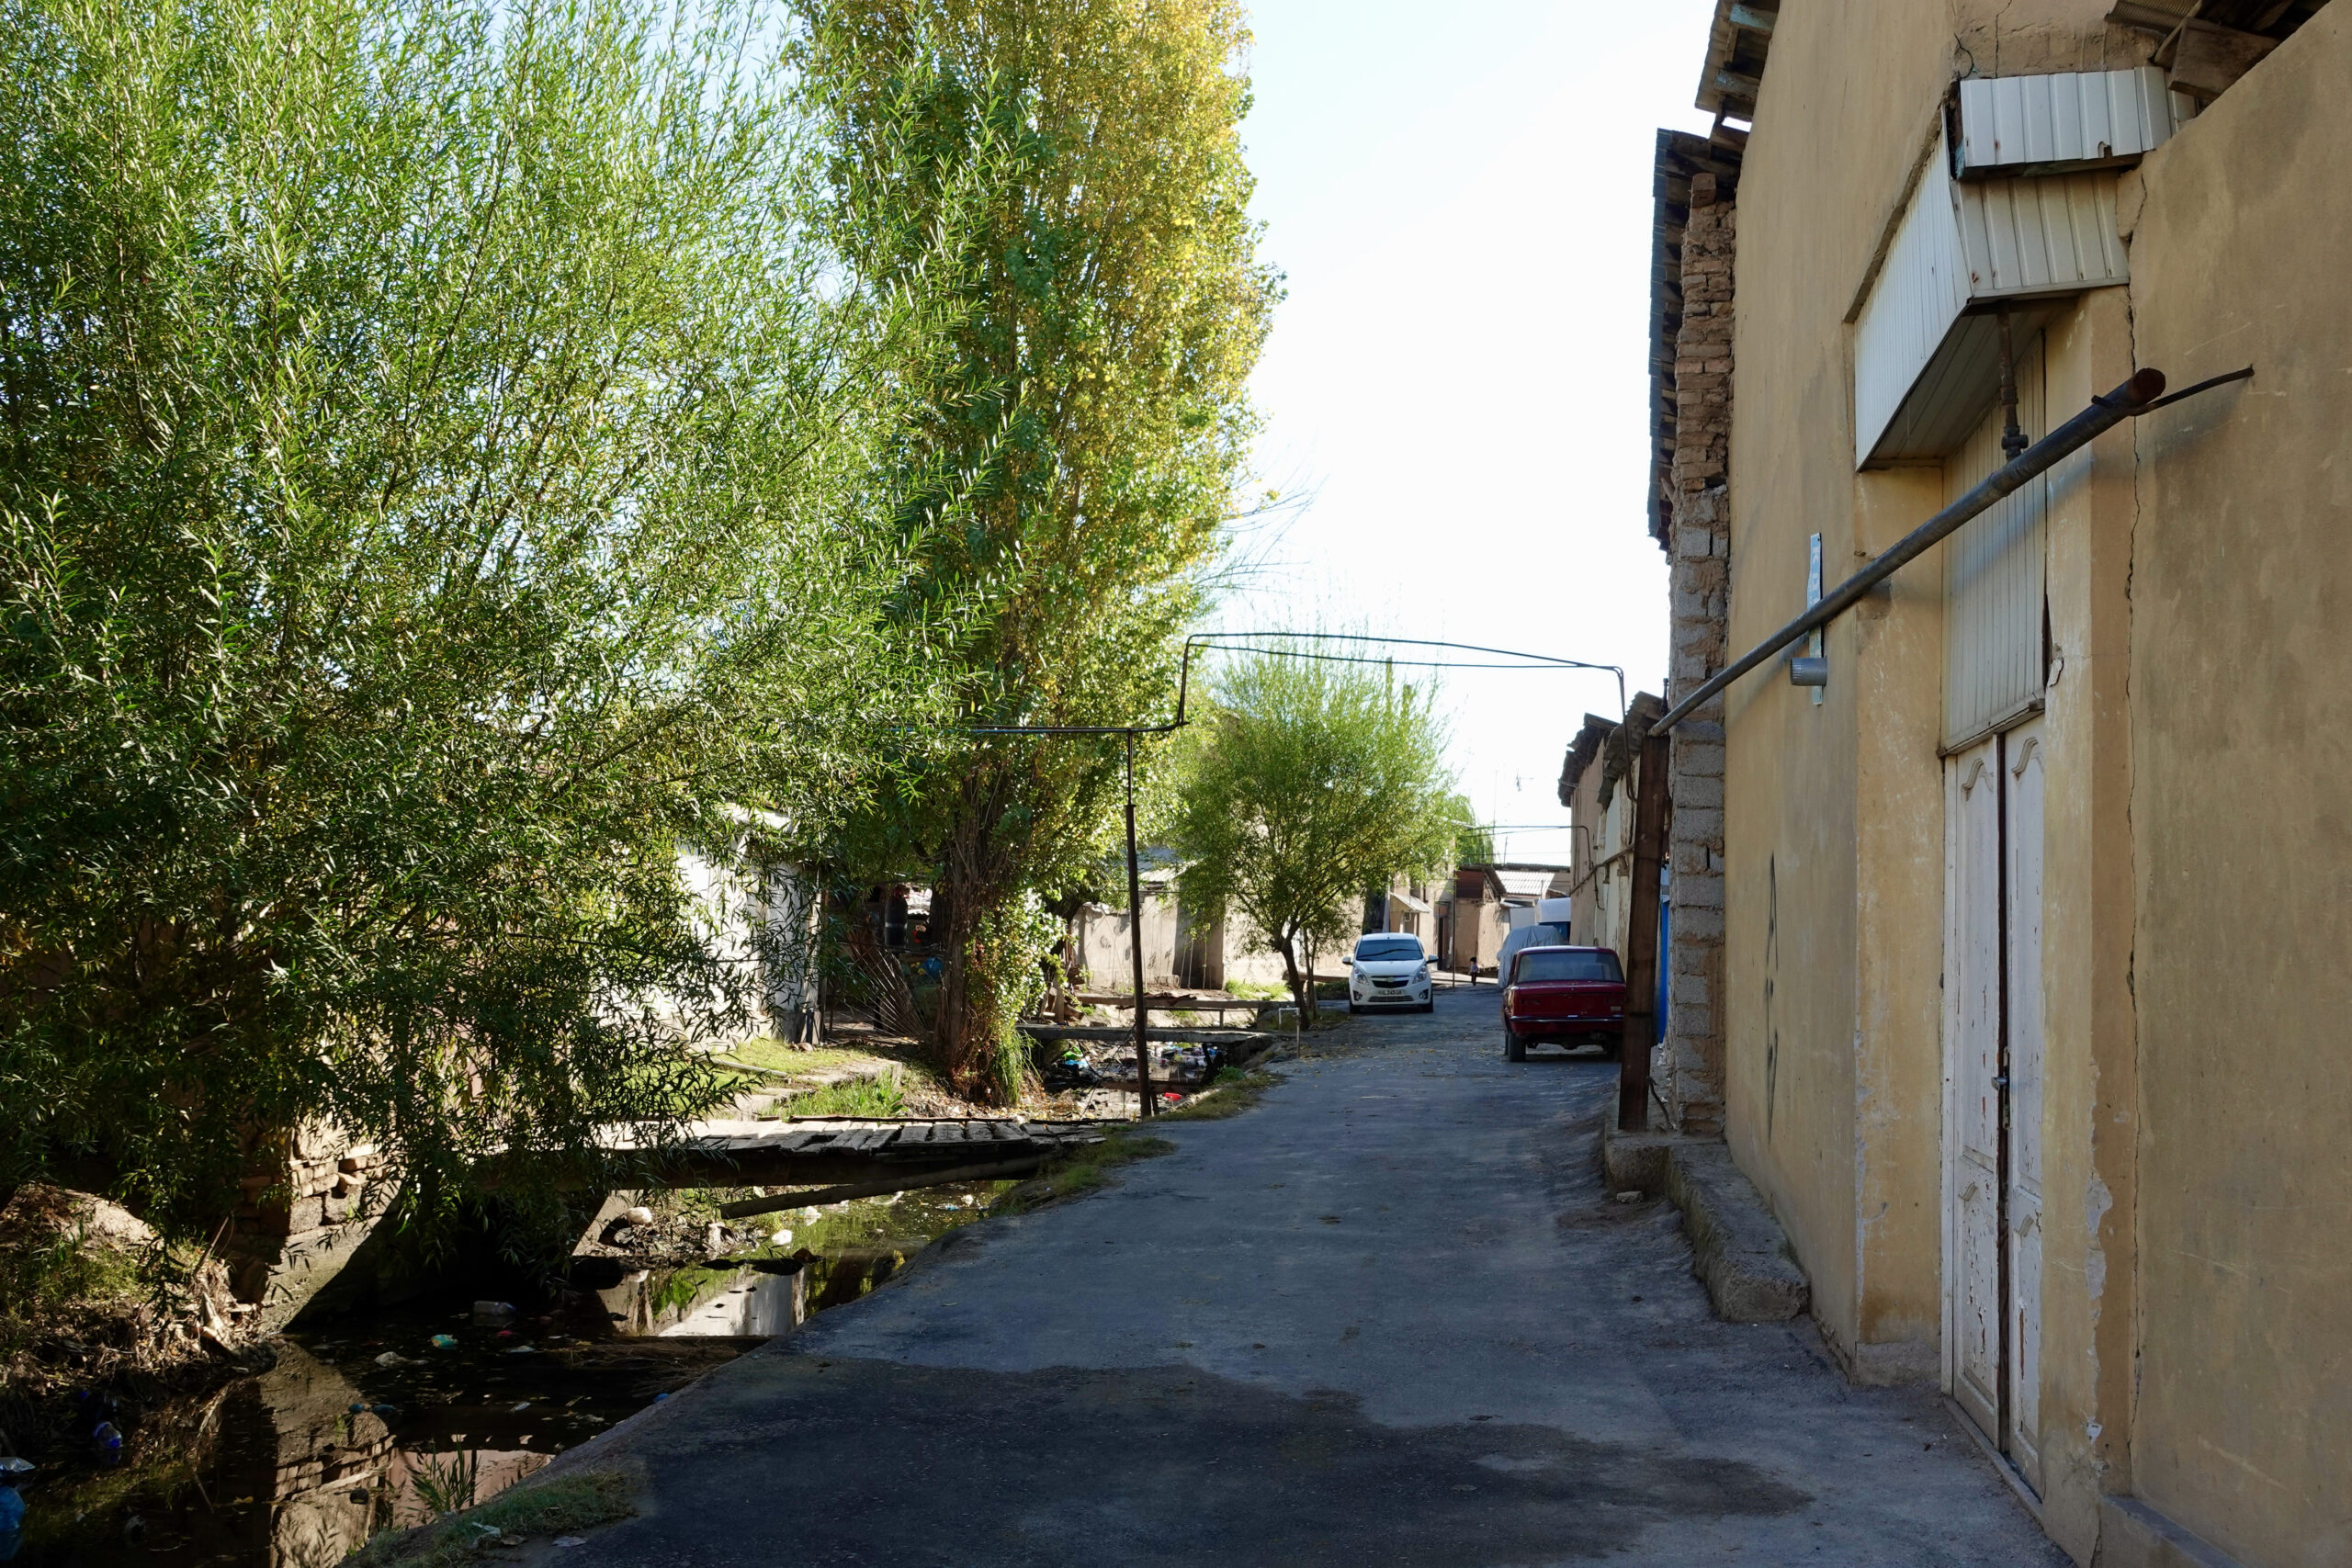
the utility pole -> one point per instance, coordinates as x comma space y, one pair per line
1134, 942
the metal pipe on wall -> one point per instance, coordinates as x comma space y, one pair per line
2137, 396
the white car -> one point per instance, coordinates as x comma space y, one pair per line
1390, 970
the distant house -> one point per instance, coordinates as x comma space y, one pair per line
1489, 901
1178, 952
1597, 780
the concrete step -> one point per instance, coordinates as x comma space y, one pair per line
1738, 1248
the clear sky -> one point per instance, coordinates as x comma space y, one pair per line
1454, 388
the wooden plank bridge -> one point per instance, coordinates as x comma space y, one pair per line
821, 1149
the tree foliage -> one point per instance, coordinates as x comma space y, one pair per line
1307, 782
429, 435
1074, 473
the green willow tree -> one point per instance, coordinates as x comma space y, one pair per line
1303, 782
429, 431
1089, 441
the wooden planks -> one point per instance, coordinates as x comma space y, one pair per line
832, 1150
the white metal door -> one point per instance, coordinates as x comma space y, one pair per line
1973, 977
2022, 777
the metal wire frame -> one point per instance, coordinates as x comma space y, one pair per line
1533, 661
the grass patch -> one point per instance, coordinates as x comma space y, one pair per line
1081, 1172
565, 1503
856, 1096
777, 1056
1258, 990
1234, 1092
49, 1275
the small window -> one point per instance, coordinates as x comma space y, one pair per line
1568, 964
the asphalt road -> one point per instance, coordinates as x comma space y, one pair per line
1387, 1317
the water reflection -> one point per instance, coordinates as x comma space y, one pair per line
380, 1421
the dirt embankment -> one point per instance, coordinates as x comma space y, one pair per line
100, 1317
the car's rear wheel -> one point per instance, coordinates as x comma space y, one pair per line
1514, 1048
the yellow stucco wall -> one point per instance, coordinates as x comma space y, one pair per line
1834, 814
2197, 1117
2240, 708
2089, 1123
1822, 176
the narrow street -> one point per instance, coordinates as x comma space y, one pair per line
1389, 1316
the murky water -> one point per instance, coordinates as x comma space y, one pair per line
382, 1420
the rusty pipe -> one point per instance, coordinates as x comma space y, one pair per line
2135, 396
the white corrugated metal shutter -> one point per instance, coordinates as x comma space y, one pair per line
1920, 292
1993, 588
2067, 117
1923, 354
2048, 234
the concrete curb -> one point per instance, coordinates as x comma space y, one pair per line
1738, 1248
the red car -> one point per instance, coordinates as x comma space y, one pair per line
1568, 995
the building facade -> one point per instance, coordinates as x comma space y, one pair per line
2013, 978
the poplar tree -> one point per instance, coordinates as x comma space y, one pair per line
1075, 473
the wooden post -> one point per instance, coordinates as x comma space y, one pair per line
1134, 935
1641, 938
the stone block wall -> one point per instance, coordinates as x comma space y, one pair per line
300, 1215
1690, 1073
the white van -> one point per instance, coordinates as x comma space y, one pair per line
1548, 928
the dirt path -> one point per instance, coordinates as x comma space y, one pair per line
1387, 1317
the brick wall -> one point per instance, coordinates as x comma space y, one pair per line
1690, 1073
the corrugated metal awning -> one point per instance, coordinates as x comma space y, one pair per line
1926, 354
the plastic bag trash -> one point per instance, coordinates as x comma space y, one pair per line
385, 1412
12, 1518
640, 1215
391, 1359
782, 1238
526, 1404
445, 1342
524, 1350
570, 1540
491, 1314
